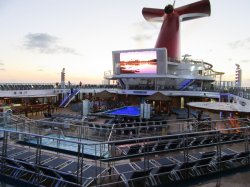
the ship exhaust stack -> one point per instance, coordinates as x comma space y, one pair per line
169, 36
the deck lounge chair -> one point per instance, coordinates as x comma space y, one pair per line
71, 167
16, 170
43, 158
204, 163
196, 141
49, 177
12, 168
223, 162
25, 156
69, 180
240, 158
225, 137
200, 155
148, 147
89, 174
132, 176
147, 165
14, 151
160, 146
55, 163
163, 161
29, 172
202, 166
130, 150
162, 170
210, 139
7, 149
184, 167
173, 144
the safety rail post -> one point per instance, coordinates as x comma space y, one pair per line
246, 137
5, 143
218, 149
4, 151
95, 165
79, 174
185, 154
111, 132
101, 146
38, 159
111, 154
82, 154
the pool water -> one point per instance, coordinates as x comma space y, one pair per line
92, 148
125, 111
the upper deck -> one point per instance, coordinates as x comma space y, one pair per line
25, 90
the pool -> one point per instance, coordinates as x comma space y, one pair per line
90, 150
133, 111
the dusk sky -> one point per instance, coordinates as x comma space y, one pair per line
41, 37
141, 55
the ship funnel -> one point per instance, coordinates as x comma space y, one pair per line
169, 36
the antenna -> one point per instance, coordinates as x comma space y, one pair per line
173, 3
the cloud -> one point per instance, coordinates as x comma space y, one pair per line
45, 43
246, 82
144, 31
2, 64
239, 44
40, 68
245, 61
139, 38
147, 25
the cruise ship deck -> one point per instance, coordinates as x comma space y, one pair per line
160, 119
67, 150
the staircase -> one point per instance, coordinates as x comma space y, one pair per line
184, 84
122, 83
69, 98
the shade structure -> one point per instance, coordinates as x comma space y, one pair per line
158, 96
221, 106
104, 95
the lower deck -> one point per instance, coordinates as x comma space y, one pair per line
154, 157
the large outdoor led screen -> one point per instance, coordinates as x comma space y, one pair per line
138, 62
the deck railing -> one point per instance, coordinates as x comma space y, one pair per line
104, 169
